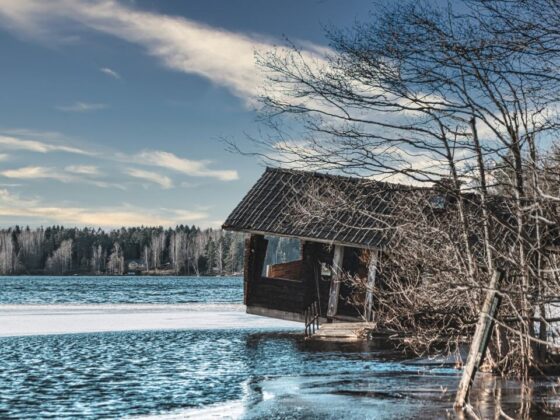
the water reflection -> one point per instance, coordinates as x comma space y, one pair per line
494, 397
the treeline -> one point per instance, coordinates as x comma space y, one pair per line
183, 250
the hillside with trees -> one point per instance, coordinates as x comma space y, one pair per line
183, 250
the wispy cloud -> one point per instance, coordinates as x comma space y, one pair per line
91, 170
197, 168
36, 172
110, 72
153, 177
4, 157
157, 158
224, 57
81, 107
15, 143
12, 205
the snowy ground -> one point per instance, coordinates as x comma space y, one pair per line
17, 320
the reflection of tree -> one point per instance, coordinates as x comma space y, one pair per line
495, 397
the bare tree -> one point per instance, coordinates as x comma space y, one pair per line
98, 259
61, 259
115, 265
146, 257
196, 250
178, 251
31, 247
423, 95
157, 247
8, 257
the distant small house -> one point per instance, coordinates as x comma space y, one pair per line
136, 265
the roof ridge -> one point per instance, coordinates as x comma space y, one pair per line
318, 174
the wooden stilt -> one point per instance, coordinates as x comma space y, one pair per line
372, 271
335, 281
255, 251
480, 340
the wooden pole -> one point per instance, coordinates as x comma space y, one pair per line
335, 281
480, 339
248, 268
255, 251
372, 271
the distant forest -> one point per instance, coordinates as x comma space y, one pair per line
143, 250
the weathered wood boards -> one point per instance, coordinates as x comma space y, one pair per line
340, 332
372, 273
288, 270
335, 281
480, 339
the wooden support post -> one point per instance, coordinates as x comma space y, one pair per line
480, 339
255, 251
372, 272
335, 281
248, 261
309, 269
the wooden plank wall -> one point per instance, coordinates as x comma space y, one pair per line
279, 294
290, 270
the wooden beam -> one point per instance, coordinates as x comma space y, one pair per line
480, 339
336, 277
302, 238
372, 272
310, 272
247, 269
255, 251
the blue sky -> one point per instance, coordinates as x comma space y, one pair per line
111, 111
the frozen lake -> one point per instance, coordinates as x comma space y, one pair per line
98, 347
119, 289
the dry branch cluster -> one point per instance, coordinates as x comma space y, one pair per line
463, 104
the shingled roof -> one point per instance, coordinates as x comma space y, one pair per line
319, 207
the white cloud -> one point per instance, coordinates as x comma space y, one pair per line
36, 172
13, 206
43, 173
81, 107
14, 143
224, 57
153, 177
159, 158
110, 72
4, 157
83, 170
198, 168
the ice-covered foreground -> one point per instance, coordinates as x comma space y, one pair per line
17, 320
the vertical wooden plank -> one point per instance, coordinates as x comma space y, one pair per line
261, 245
248, 269
309, 272
372, 272
480, 340
335, 281
255, 252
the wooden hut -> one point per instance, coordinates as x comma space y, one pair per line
334, 240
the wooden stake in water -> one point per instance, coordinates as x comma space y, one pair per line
480, 339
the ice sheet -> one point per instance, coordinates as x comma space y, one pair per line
16, 320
